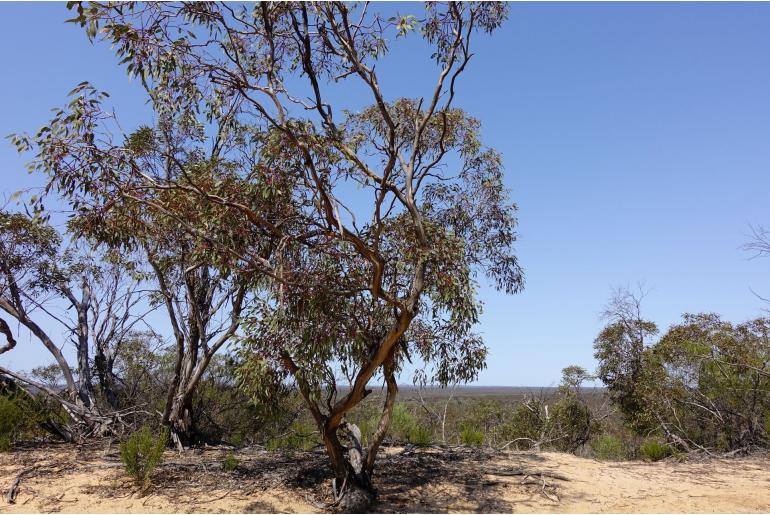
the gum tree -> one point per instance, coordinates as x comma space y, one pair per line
619, 349
202, 299
369, 230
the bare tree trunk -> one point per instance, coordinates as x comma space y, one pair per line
35, 329
105, 363
84, 384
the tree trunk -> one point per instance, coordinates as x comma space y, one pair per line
352, 486
180, 423
105, 363
387, 410
84, 384
353, 468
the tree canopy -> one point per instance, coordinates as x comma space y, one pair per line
363, 234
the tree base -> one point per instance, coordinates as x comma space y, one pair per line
355, 500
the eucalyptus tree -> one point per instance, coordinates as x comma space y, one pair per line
708, 383
203, 307
202, 298
364, 232
90, 298
619, 348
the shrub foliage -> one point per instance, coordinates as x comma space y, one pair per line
142, 452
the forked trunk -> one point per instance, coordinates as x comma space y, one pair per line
180, 421
354, 467
351, 486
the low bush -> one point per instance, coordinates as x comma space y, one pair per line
653, 449
406, 427
402, 424
420, 436
142, 452
230, 462
20, 415
11, 417
471, 436
609, 447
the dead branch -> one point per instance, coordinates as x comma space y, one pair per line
10, 497
525, 472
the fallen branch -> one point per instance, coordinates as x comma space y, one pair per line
524, 472
531, 480
11, 495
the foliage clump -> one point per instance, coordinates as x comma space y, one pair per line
608, 447
702, 385
472, 436
230, 462
142, 452
653, 449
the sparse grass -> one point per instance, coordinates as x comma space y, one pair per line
678, 455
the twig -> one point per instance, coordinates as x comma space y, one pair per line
215, 499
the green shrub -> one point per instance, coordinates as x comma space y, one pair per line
19, 415
471, 436
402, 423
526, 422
574, 421
653, 450
608, 447
142, 452
10, 418
230, 462
421, 436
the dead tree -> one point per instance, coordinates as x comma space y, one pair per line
39, 281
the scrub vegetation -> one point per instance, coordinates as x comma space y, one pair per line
302, 253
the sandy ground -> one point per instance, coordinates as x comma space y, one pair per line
69, 479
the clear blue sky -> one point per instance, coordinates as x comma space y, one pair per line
636, 140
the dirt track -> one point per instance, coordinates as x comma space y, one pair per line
90, 480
